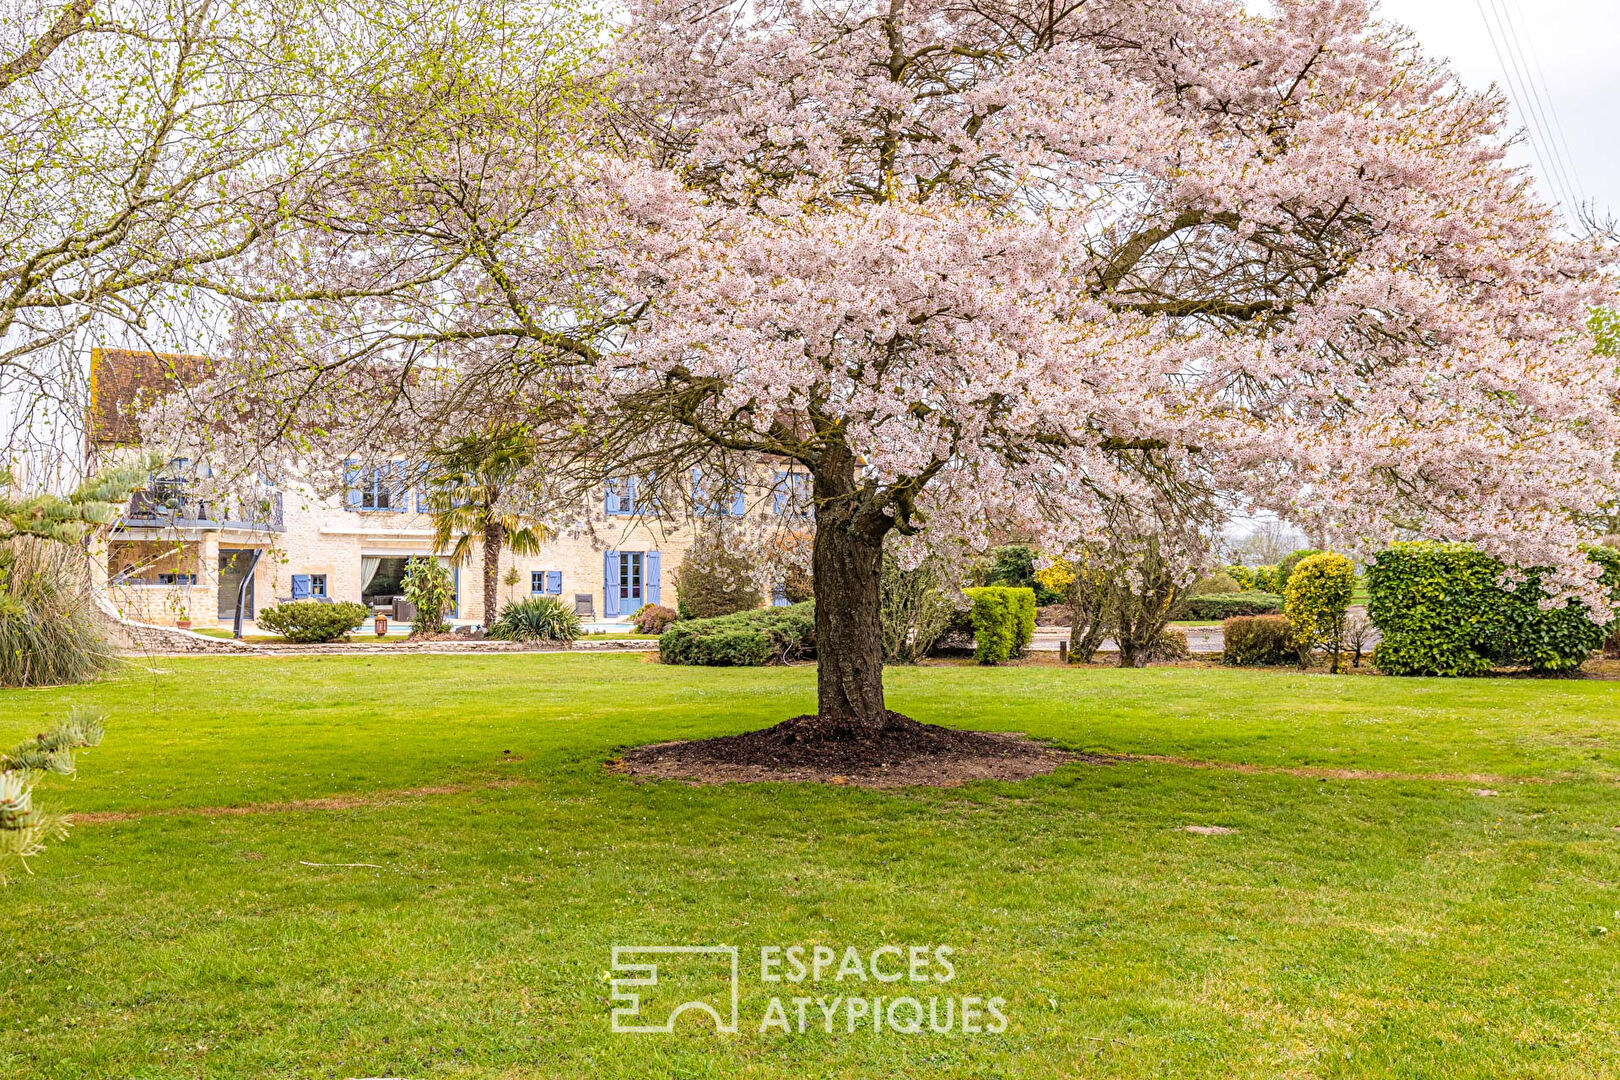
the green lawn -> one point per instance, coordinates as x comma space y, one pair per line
1348, 927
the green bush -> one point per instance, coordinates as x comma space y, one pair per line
713, 581
653, 618
1440, 611
1243, 576
1003, 621
1285, 568
48, 630
536, 618
1226, 605
1217, 584
1253, 640
1318, 596
1013, 566
428, 587
745, 639
915, 607
1264, 579
313, 621
1171, 646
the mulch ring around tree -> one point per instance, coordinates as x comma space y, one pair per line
906, 753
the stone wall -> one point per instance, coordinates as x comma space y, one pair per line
129, 635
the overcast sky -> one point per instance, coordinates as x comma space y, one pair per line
1578, 45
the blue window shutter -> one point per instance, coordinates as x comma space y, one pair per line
779, 596
779, 494
650, 580
554, 582
739, 504
697, 490
351, 484
610, 498
610, 584
300, 583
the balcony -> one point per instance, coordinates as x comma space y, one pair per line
166, 505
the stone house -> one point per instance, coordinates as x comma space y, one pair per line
174, 558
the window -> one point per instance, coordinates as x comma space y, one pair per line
537, 581
177, 579
620, 497
317, 585
377, 486
793, 495
723, 501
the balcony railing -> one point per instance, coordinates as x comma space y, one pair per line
170, 506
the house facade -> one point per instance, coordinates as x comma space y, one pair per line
176, 559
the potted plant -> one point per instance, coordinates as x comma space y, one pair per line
179, 603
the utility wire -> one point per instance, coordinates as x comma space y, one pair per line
1525, 102
1552, 109
1538, 101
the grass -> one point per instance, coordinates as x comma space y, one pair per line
1348, 927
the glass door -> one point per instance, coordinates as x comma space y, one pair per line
629, 581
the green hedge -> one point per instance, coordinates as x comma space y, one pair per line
313, 621
1256, 640
1226, 605
1440, 611
746, 639
1003, 620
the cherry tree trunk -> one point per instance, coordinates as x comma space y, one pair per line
847, 562
492, 572
849, 642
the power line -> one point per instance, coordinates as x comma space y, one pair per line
1538, 102
1527, 102
1552, 108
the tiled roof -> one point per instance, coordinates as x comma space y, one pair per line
124, 382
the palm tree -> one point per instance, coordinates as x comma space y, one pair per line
467, 478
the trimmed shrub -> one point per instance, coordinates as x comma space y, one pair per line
653, 618
1285, 568
537, 618
1226, 605
1254, 640
712, 581
1003, 621
1265, 580
313, 621
1318, 596
1440, 611
1243, 576
745, 639
428, 587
